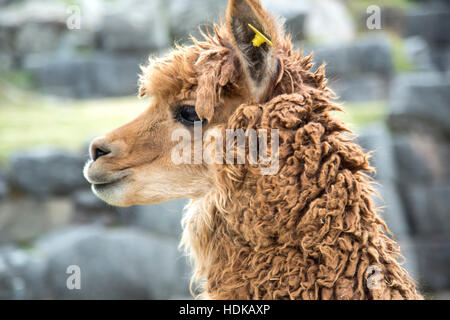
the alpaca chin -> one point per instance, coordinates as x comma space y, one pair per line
112, 193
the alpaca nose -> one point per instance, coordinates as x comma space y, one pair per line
99, 148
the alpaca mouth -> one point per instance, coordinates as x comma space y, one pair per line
100, 186
110, 192
103, 186
102, 181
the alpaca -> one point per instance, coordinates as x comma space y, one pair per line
309, 231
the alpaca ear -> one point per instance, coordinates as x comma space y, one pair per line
254, 36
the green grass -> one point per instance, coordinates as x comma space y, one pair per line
61, 123
401, 62
27, 120
362, 5
19, 79
360, 114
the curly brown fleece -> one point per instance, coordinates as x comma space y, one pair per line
309, 232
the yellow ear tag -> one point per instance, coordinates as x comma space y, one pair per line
259, 38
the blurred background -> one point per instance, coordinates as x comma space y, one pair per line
68, 72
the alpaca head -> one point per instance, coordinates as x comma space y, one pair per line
202, 83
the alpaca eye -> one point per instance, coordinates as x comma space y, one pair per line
186, 115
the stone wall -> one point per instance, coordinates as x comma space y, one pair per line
420, 123
50, 220
101, 59
358, 71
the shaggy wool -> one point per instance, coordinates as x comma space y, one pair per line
311, 231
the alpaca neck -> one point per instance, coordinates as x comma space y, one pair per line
239, 252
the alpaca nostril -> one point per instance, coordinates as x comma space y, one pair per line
99, 147
100, 153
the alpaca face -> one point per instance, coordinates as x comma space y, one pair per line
133, 164
205, 82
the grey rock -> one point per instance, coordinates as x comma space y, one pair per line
411, 163
98, 75
163, 219
390, 206
294, 15
434, 259
361, 87
35, 12
368, 55
295, 25
45, 172
4, 3
142, 29
35, 28
419, 117
9, 289
441, 58
7, 55
6, 60
376, 140
408, 249
427, 208
330, 21
123, 69
22, 219
186, 16
3, 185
114, 264
21, 275
389, 201
420, 102
38, 38
439, 207
418, 52
85, 200
357, 71
431, 24
327, 21
3, 190
415, 201
62, 76
89, 209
